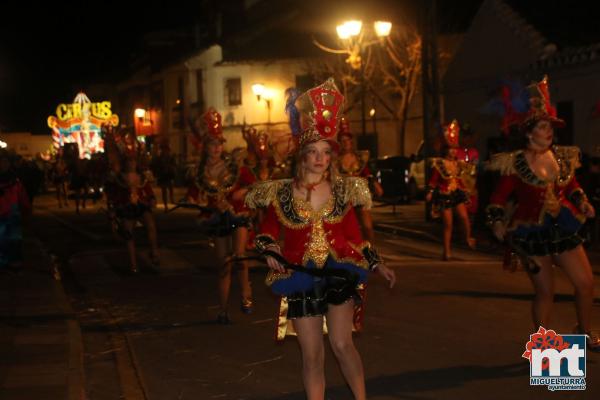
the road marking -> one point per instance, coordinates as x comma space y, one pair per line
263, 362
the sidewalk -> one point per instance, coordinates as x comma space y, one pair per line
40, 345
408, 220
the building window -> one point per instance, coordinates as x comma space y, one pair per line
233, 91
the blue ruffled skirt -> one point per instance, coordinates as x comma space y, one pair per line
554, 236
309, 295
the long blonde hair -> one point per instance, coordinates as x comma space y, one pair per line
332, 171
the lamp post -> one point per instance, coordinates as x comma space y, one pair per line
263, 93
356, 40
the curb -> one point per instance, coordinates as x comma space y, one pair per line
76, 371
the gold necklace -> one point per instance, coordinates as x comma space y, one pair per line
310, 187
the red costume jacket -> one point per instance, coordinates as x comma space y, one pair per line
535, 197
118, 192
443, 180
311, 235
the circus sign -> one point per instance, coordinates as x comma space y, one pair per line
81, 123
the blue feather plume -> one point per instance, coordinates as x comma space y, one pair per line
518, 99
291, 110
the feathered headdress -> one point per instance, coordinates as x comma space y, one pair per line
451, 134
540, 107
521, 106
258, 142
214, 126
315, 114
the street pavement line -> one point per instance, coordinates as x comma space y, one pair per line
130, 380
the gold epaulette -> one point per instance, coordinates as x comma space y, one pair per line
571, 154
262, 194
356, 191
503, 162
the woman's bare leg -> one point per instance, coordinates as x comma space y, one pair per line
577, 267
222, 248
461, 211
339, 326
240, 237
543, 284
310, 337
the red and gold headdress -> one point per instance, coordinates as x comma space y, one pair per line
214, 126
452, 134
540, 107
258, 142
318, 112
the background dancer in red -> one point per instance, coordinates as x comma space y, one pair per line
550, 209
447, 191
224, 181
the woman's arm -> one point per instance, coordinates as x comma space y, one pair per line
267, 238
495, 210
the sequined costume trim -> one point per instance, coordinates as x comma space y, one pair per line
214, 187
515, 162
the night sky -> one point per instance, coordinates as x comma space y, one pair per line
50, 53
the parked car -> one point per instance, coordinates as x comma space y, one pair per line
416, 173
393, 175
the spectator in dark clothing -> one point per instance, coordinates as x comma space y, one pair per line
14, 204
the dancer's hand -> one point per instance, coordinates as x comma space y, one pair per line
273, 263
378, 189
499, 230
587, 209
388, 274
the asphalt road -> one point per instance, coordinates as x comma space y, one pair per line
448, 330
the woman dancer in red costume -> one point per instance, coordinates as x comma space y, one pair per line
447, 191
314, 213
224, 180
551, 206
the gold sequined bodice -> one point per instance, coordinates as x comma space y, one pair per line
317, 247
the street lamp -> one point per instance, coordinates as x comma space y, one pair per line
263, 93
355, 41
139, 113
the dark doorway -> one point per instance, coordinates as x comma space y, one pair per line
564, 136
